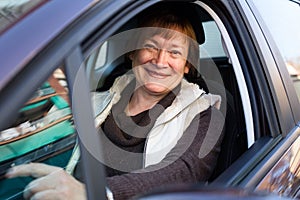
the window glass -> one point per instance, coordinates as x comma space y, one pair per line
12, 10
42, 132
98, 59
215, 68
101, 57
212, 47
98, 65
282, 18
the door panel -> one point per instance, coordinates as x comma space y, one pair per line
283, 178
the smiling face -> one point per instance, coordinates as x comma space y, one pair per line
160, 64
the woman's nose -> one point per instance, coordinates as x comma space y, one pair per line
162, 58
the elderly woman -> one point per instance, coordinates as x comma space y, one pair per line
157, 129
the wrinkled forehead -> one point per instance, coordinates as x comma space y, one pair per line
167, 34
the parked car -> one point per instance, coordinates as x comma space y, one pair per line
54, 53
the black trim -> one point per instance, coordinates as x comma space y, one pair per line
279, 88
281, 146
94, 176
262, 103
246, 53
296, 1
235, 174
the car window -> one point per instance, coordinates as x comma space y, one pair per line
12, 10
282, 20
215, 67
98, 58
212, 47
218, 51
96, 64
42, 132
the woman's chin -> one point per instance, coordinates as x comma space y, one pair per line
156, 88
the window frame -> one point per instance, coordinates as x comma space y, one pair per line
238, 74
238, 21
279, 62
274, 68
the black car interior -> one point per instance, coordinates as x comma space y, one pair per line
235, 139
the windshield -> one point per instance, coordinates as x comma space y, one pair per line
13, 10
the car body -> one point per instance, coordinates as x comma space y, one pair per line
252, 62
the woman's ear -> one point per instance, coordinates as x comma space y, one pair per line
186, 69
131, 55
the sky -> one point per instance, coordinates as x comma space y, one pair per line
282, 18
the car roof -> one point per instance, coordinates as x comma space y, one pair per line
25, 38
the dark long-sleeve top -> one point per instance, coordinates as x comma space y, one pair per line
191, 160
193, 165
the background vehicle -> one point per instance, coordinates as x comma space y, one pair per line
246, 58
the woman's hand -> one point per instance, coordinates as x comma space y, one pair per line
51, 183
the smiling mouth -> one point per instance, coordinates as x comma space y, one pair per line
156, 74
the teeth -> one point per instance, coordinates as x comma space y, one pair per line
156, 75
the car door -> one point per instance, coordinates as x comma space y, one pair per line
281, 164
250, 75
54, 46
228, 70
274, 96
256, 103
83, 37
43, 131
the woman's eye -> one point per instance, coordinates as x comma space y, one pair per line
175, 52
150, 46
